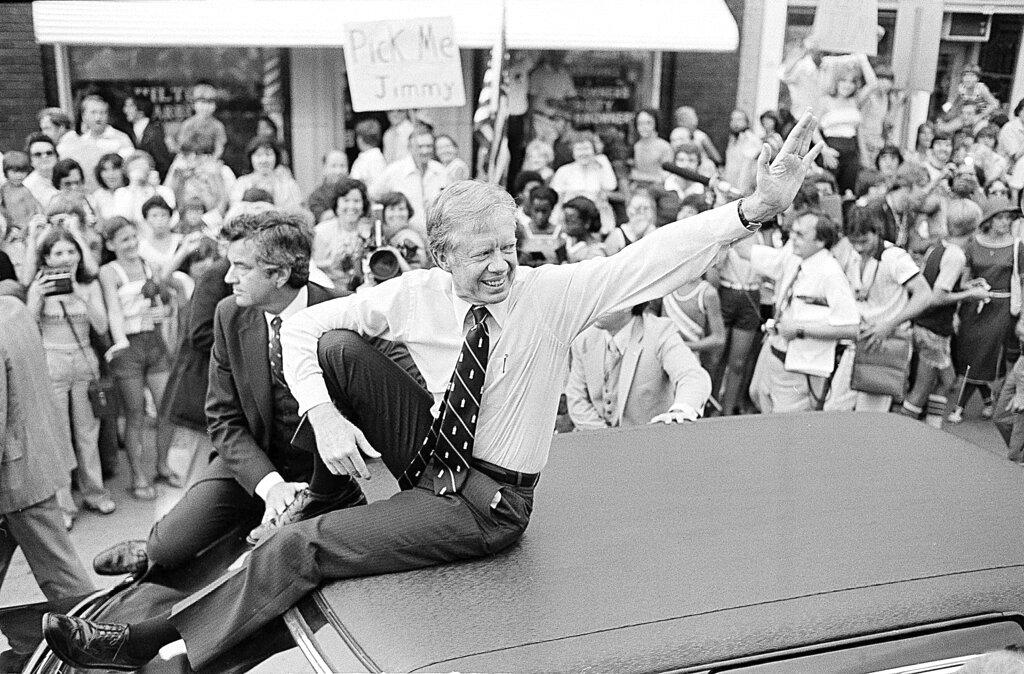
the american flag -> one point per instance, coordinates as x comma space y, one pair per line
491, 113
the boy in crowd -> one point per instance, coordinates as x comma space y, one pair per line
16, 201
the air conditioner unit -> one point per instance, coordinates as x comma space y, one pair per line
966, 27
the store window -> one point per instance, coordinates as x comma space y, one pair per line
250, 82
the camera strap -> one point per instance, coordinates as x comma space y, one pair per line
78, 341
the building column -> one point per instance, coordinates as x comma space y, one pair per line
761, 46
318, 109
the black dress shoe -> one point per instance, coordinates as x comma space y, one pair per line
127, 557
88, 645
308, 505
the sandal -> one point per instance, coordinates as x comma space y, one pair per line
171, 479
103, 507
143, 492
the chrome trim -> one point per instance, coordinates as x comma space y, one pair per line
43, 659
947, 666
334, 620
304, 639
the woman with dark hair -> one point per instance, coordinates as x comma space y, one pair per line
264, 158
139, 359
649, 151
411, 241
918, 152
339, 243
888, 161
110, 177
986, 340
770, 125
68, 176
67, 303
582, 228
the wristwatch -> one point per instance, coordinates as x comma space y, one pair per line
743, 219
800, 334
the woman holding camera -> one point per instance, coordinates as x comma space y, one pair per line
67, 303
139, 357
339, 243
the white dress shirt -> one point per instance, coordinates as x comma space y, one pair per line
368, 166
531, 329
300, 302
420, 189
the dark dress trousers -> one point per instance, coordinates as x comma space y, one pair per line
250, 440
412, 529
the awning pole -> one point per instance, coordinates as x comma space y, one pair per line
63, 68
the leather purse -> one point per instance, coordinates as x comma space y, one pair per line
882, 369
103, 392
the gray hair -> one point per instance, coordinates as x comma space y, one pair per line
461, 206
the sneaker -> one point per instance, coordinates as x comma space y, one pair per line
956, 416
103, 506
987, 411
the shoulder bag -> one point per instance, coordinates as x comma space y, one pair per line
884, 368
103, 395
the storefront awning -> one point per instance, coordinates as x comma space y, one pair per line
668, 25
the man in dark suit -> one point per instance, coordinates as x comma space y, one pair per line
254, 471
146, 132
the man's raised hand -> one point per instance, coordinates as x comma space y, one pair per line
340, 442
778, 181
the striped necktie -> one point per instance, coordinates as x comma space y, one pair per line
450, 439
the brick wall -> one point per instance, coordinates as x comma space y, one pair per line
22, 86
706, 81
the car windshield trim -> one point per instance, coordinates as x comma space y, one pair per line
304, 639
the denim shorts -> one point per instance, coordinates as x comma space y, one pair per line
146, 354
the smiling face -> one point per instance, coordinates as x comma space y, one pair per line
446, 150
111, 176
335, 165
125, 243
63, 254
263, 160
942, 149
43, 156
482, 260
349, 207
421, 147
159, 220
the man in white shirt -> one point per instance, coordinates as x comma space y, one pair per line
632, 368
97, 139
369, 165
418, 176
489, 341
814, 309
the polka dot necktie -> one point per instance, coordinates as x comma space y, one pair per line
450, 439
276, 356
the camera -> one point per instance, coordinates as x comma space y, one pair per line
60, 277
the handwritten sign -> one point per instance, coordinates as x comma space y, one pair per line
409, 63
847, 27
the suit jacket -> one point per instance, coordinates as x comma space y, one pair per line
186, 392
153, 142
239, 398
35, 457
658, 372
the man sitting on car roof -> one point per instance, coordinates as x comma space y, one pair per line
489, 340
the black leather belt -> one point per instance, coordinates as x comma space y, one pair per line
506, 476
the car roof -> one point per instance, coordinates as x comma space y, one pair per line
666, 546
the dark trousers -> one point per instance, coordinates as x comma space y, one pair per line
412, 529
209, 509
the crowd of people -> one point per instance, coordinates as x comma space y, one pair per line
892, 282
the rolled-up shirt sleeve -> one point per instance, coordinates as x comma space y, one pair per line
646, 270
364, 312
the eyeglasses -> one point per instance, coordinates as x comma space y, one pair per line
47, 153
1002, 192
